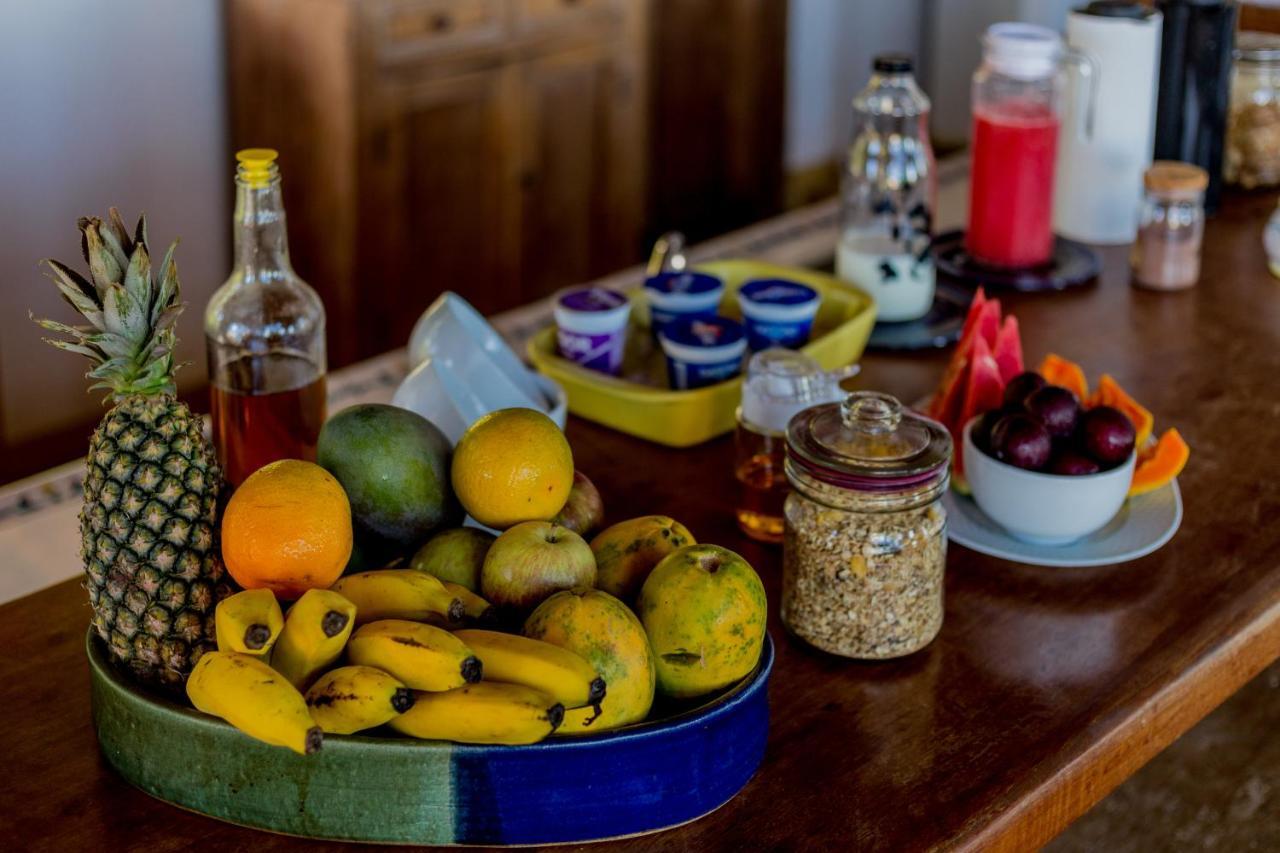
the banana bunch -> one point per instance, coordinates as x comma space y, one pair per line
254, 698
248, 622
354, 698
400, 594
423, 657
315, 633
488, 712
556, 671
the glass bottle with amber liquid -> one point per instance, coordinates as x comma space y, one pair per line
779, 384
264, 329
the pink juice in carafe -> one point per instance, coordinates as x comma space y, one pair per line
1011, 197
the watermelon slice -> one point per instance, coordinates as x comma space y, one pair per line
1008, 349
984, 390
945, 406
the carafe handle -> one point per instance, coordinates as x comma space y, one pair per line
1087, 72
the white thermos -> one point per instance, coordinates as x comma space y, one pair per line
1098, 186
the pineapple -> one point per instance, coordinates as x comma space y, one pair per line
148, 528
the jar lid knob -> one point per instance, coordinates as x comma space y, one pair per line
871, 412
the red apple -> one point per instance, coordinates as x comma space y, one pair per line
584, 511
532, 560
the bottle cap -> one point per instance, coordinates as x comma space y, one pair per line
1117, 9
1175, 178
257, 166
892, 63
1023, 51
781, 383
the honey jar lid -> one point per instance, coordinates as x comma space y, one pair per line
1175, 178
869, 442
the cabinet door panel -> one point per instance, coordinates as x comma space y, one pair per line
582, 168
439, 215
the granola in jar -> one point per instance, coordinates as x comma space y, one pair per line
865, 547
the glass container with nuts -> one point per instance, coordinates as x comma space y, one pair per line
865, 544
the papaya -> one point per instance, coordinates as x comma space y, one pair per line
1109, 393
628, 551
608, 635
1057, 370
1159, 465
703, 608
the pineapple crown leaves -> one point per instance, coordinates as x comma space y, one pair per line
129, 313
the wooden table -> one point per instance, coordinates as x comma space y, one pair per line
1045, 689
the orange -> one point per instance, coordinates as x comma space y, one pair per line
512, 465
287, 529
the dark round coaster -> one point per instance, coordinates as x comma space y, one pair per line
1073, 264
939, 328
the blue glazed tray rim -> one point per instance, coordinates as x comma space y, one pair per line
725, 702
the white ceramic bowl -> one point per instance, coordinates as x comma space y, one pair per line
1048, 509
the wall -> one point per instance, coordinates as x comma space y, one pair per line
830, 45
104, 104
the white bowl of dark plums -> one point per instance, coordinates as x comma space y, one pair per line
1046, 469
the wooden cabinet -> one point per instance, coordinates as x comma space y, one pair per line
498, 148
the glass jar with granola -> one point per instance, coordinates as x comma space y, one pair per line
865, 545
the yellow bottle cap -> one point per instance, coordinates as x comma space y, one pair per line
256, 165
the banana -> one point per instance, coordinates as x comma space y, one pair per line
399, 594
556, 671
422, 656
488, 712
474, 608
254, 698
248, 622
315, 632
353, 698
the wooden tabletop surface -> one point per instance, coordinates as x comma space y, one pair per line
1045, 689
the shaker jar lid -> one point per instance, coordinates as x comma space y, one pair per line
869, 442
1175, 178
1254, 46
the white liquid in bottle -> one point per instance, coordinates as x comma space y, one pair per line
901, 284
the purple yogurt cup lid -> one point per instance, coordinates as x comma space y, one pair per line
591, 299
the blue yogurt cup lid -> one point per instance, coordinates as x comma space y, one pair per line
703, 340
683, 282
777, 291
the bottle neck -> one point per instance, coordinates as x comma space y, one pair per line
261, 241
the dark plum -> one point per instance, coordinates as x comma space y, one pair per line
1107, 435
1022, 441
981, 432
1021, 387
1072, 464
1056, 408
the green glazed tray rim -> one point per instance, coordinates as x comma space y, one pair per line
101, 669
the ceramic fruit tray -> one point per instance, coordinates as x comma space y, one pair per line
639, 402
638, 779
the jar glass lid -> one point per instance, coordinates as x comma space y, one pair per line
1254, 46
868, 441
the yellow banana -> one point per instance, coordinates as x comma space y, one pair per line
554, 670
315, 632
474, 608
248, 622
399, 594
254, 698
488, 712
422, 656
350, 699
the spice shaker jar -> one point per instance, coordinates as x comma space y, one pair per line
865, 545
1252, 158
1166, 254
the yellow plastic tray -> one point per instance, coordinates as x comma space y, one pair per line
640, 403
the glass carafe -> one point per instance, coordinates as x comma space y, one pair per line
1018, 94
887, 194
264, 330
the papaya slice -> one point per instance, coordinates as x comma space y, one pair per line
1109, 393
1057, 370
1158, 466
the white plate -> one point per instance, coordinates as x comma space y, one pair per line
1143, 524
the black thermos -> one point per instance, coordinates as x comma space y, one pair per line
1195, 85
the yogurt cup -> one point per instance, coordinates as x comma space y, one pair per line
681, 295
591, 327
702, 351
778, 312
